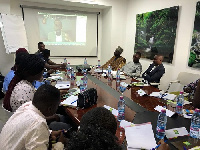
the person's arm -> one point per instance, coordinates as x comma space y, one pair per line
156, 76
51, 62
52, 118
196, 101
54, 66
137, 72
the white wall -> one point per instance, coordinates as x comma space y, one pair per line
187, 9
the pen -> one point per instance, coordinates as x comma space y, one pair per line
73, 102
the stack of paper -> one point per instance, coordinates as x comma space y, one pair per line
140, 136
70, 101
169, 113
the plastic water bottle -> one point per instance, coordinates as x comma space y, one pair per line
121, 109
65, 60
82, 88
118, 75
72, 73
68, 69
179, 103
109, 73
195, 124
85, 61
99, 65
161, 124
85, 80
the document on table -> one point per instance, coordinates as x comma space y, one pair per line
140, 136
70, 101
169, 113
175, 132
163, 95
62, 85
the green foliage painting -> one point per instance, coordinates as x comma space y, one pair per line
156, 33
194, 58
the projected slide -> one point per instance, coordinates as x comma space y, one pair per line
61, 29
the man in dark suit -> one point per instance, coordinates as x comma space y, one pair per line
155, 70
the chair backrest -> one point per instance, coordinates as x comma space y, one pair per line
184, 78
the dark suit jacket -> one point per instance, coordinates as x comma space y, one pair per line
154, 75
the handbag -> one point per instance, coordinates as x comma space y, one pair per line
87, 98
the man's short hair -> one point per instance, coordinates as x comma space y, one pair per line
138, 53
39, 43
46, 95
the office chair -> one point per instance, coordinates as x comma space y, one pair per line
183, 79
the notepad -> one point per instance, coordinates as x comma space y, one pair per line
70, 101
140, 136
175, 132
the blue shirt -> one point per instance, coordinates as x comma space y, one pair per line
11, 74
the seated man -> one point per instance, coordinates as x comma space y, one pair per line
133, 69
27, 127
116, 61
195, 100
48, 63
155, 70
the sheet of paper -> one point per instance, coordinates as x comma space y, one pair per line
113, 110
175, 132
163, 95
169, 113
140, 136
71, 101
124, 124
141, 92
62, 85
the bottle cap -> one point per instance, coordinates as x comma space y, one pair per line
181, 92
121, 97
163, 110
197, 110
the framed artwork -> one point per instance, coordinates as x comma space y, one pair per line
156, 33
194, 58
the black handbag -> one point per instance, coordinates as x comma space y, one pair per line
87, 98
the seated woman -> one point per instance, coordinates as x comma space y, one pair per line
116, 61
97, 131
20, 89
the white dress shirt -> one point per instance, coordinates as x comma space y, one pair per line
26, 129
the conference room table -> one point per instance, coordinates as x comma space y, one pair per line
139, 109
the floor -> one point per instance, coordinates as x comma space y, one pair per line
4, 115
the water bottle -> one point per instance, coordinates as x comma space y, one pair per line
109, 73
82, 88
72, 73
179, 103
161, 124
118, 75
68, 69
85, 80
99, 65
85, 61
121, 109
195, 124
65, 60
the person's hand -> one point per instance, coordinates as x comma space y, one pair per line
64, 65
62, 138
50, 71
56, 117
56, 133
163, 145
